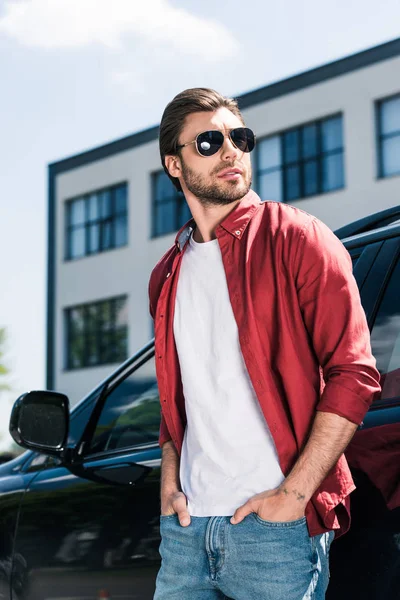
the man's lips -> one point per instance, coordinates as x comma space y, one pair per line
232, 173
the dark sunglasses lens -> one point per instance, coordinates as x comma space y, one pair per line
209, 142
243, 138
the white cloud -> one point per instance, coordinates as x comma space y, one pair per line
78, 23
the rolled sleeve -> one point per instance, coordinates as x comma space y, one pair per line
335, 320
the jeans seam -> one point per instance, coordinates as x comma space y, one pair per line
281, 524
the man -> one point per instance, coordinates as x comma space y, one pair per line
264, 369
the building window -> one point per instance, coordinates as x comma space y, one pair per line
169, 207
97, 333
301, 162
97, 222
389, 136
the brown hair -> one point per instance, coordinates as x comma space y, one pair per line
175, 113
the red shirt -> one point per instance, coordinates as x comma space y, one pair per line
302, 331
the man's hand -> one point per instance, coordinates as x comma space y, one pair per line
176, 503
273, 505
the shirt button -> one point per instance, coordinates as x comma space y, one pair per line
168, 274
159, 356
237, 232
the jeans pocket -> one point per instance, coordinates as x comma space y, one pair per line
295, 523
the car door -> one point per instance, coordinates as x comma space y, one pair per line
365, 562
12, 490
93, 528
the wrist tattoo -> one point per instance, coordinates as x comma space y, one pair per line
300, 497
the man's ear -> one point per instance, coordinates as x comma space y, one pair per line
173, 165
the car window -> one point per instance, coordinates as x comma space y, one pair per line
363, 258
385, 337
131, 413
41, 461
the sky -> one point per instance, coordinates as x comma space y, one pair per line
75, 74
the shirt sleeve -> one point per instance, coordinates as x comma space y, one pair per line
335, 320
164, 435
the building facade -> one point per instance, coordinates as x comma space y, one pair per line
328, 141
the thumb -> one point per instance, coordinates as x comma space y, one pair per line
181, 509
241, 513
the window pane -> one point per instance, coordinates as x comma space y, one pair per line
93, 207
120, 231
106, 235
120, 199
164, 187
385, 338
332, 137
310, 175
77, 212
94, 238
332, 172
390, 116
131, 414
184, 212
92, 330
121, 311
105, 315
165, 220
270, 186
292, 183
120, 345
77, 242
291, 146
105, 204
269, 153
75, 337
309, 141
391, 156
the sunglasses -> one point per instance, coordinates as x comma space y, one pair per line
209, 142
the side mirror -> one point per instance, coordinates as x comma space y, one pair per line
40, 421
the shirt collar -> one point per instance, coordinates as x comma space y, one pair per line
235, 223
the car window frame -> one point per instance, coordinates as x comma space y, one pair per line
379, 276
366, 255
390, 256
121, 374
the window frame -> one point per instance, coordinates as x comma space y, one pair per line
86, 333
381, 137
301, 162
178, 202
100, 222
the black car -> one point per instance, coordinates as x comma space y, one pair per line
79, 511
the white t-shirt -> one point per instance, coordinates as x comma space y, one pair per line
228, 453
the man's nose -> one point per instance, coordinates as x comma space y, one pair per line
229, 150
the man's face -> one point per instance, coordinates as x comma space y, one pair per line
207, 177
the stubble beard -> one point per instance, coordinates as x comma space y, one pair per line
212, 194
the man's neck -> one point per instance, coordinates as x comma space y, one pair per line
208, 218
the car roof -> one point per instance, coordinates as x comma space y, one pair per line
379, 220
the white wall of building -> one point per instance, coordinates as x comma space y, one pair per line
126, 270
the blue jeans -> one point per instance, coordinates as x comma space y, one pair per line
253, 560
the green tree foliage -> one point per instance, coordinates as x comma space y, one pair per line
3, 369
